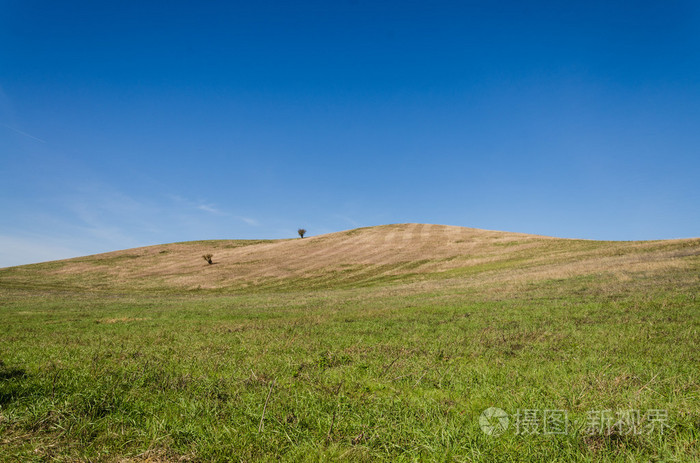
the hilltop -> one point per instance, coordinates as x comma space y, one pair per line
399, 253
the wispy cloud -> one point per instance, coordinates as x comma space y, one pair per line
15, 250
92, 216
346, 219
25, 134
249, 221
110, 216
211, 209
198, 205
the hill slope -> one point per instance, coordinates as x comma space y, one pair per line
405, 253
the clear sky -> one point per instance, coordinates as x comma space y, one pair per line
129, 123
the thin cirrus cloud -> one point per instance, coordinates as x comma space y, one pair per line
212, 209
98, 218
249, 221
18, 250
24, 134
347, 220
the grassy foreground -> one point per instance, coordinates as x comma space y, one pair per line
391, 369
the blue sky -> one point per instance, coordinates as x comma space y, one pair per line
134, 123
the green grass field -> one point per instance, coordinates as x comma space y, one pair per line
376, 360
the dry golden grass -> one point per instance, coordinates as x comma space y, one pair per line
110, 321
412, 253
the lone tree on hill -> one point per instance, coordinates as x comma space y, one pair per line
208, 257
301, 232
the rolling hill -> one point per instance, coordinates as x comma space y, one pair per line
400, 253
385, 343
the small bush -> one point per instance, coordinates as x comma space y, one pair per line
301, 232
208, 257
